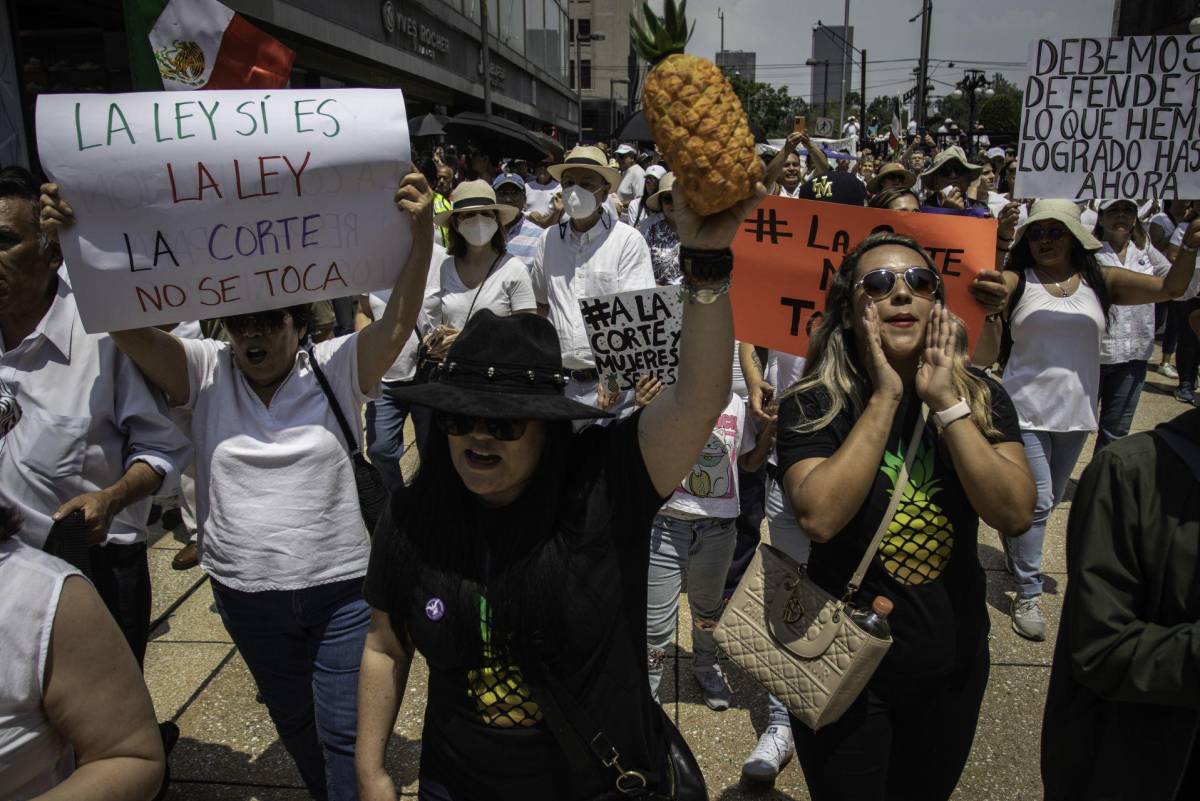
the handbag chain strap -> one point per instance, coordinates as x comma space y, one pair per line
901, 484
351, 440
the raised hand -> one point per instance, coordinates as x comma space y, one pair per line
415, 197
990, 291
1009, 215
647, 389
885, 380
935, 376
953, 199
54, 213
716, 231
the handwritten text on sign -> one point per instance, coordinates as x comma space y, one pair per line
786, 255
634, 334
1108, 118
206, 204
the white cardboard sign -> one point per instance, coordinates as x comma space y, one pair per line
634, 334
193, 205
1111, 118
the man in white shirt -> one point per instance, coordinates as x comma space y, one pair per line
633, 177
592, 254
539, 196
850, 129
94, 439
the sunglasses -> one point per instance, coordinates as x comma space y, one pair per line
1052, 234
461, 425
951, 172
879, 284
666, 198
265, 321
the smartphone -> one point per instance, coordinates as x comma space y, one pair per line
801, 125
68, 541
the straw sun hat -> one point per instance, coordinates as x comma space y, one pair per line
472, 196
1063, 211
654, 202
586, 157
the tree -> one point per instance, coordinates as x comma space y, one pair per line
769, 108
1000, 113
879, 111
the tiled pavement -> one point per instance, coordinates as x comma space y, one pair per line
229, 751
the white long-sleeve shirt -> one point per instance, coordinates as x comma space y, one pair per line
609, 257
87, 416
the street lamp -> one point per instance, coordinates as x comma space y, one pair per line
579, 41
973, 81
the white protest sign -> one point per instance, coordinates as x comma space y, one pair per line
193, 205
634, 334
1111, 118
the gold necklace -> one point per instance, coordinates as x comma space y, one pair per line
1062, 293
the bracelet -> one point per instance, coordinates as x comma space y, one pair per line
705, 295
706, 265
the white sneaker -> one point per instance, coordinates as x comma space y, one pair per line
1168, 370
774, 750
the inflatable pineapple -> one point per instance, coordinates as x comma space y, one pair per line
695, 116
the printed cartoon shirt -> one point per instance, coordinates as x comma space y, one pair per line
928, 561
710, 489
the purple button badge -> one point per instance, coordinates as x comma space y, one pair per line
435, 609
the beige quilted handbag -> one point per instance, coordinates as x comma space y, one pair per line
798, 640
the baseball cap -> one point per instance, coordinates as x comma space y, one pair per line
626, 150
995, 153
835, 187
508, 178
656, 171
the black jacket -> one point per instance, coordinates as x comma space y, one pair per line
1124, 701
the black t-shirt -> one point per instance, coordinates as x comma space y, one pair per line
928, 561
484, 731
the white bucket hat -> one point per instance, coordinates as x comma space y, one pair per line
1063, 211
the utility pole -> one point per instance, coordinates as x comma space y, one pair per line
923, 64
487, 60
845, 68
862, 95
721, 16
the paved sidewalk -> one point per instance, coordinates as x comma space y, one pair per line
229, 751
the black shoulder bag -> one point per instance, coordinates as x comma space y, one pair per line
372, 493
583, 742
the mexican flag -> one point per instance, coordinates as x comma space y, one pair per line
201, 44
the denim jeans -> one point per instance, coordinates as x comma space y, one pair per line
1187, 348
787, 536
385, 435
1120, 388
1052, 456
121, 576
752, 492
703, 548
303, 648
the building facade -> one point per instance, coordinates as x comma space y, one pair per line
826, 71
602, 62
737, 62
1161, 17
432, 49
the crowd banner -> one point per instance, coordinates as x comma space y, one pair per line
786, 254
1109, 118
634, 334
204, 204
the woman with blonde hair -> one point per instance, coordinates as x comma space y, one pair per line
881, 361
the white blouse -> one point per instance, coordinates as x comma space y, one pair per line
1130, 335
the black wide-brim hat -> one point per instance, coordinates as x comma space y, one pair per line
508, 368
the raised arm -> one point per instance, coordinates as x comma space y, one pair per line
1127, 288
775, 168
95, 698
380, 343
674, 428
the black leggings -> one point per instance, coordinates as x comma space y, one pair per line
898, 741
1187, 352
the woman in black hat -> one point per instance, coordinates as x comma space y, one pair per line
518, 565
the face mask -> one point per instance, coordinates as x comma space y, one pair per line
478, 231
579, 202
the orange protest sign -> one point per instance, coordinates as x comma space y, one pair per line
786, 254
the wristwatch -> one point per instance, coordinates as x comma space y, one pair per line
956, 412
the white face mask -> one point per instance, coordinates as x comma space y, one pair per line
579, 202
478, 231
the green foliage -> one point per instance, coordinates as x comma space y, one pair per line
770, 109
1000, 113
879, 111
661, 36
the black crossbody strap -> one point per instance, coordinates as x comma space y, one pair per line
347, 432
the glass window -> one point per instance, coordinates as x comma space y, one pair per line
585, 28
562, 51
556, 40
471, 9
535, 32
512, 23
571, 73
585, 73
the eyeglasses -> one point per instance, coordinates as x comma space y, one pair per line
1052, 234
879, 284
461, 425
265, 321
951, 171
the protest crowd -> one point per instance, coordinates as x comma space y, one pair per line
816, 509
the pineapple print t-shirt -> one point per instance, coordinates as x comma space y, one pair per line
928, 561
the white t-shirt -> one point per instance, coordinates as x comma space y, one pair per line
1053, 373
34, 757
710, 489
1162, 221
405, 366
275, 494
633, 183
1177, 237
1088, 217
1130, 334
506, 291
782, 371
538, 196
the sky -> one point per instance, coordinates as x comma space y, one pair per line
780, 31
